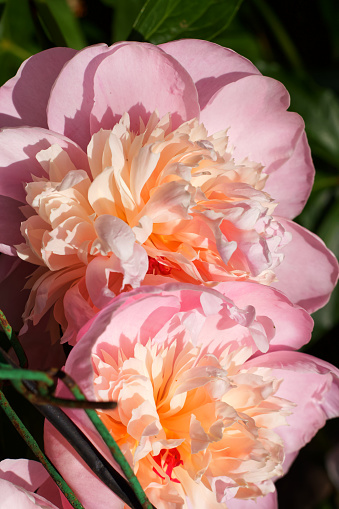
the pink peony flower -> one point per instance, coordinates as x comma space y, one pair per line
25, 484
143, 164
213, 401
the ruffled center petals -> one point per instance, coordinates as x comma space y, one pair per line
156, 200
187, 418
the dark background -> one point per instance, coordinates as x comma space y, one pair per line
294, 41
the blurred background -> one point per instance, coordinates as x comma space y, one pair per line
294, 41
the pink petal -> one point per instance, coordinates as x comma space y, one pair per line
254, 108
293, 326
211, 66
72, 97
28, 474
139, 79
19, 147
10, 220
78, 311
13, 298
148, 318
51, 492
309, 271
268, 502
310, 383
24, 98
291, 184
12, 496
42, 352
90, 491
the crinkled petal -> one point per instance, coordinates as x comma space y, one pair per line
292, 325
310, 383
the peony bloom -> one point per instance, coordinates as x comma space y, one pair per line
25, 484
143, 164
213, 401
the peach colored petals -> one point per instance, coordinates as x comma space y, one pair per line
145, 164
198, 216
200, 405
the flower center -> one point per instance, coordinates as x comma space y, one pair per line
161, 202
168, 459
156, 267
208, 417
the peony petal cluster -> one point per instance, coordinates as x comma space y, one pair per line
136, 165
214, 402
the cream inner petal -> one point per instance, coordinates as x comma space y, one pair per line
187, 417
159, 202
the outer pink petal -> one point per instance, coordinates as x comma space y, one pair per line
43, 352
310, 383
13, 274
270, 501
28, 474
13, 496
36, 341
139, 79
10, 220
260, 128
24, 98
78, 311
211, 66
51, 492
90, 491
293, 326
113, 324
309, 271
291, 184
18, 148
72, 96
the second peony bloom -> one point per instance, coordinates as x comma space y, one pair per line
142, 164
214, 402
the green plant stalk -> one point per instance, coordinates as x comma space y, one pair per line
9, 373
111, 444
44, 387
13, 340
31, 442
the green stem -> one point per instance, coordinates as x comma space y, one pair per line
30, 441
9, 373
110, 442
13, 340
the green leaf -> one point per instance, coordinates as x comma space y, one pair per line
17, 37
125, 13
60, 23
164, 20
